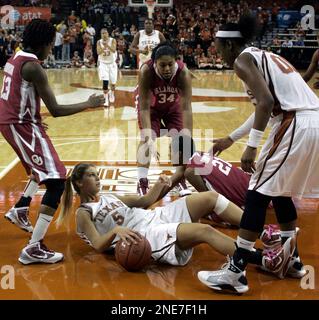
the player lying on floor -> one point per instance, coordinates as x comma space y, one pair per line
172, 231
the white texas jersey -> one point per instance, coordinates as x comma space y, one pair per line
108, 56
150, 41
110, 212
288, 88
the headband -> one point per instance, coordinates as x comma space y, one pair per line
228, 34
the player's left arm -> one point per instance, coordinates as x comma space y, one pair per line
247, 71
185, 86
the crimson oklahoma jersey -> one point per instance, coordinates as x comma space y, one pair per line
21, 125
19, 102
165, 92
222, 177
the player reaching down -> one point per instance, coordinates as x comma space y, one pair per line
288, 164
164, 102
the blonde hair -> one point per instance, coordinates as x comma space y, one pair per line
67, 197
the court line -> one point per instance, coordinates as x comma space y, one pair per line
9, 167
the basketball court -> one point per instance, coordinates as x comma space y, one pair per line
110, 139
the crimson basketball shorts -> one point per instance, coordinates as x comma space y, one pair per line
35, 150
164, 123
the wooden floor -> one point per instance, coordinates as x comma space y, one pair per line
109, 139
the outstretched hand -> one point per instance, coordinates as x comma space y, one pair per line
164, 180
96, 100
219, 145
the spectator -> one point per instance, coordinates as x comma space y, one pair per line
66, 47
58, 46
76, 60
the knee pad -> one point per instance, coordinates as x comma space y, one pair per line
254, 215
182, 149
221, 204
285, 209
105, 85
52, 196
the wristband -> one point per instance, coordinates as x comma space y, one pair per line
254, 138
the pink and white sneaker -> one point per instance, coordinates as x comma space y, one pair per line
20, 217
37, 252
277, 261
270, 237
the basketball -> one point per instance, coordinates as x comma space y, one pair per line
133, 257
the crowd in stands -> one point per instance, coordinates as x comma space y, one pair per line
191, 25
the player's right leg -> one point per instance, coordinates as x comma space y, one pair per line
19, 214
36, 251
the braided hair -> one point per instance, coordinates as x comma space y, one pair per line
38, 33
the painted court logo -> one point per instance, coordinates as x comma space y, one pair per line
7, 277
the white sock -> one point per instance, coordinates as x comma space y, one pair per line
287, 234
41, 227
30, 189
142, 172
245, 244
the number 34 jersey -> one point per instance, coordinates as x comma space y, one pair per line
19, 102
166, 92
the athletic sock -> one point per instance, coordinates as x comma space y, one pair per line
142, 172
41, 227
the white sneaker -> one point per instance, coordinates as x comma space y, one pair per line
228, 279
106, 103
296, 268
111, 96
20, 217
37, 252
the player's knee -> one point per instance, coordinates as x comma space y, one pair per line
254, 215
52, 196
203, 230
221, 203
105, 85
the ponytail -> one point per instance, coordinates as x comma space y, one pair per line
67, 197
66, 203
